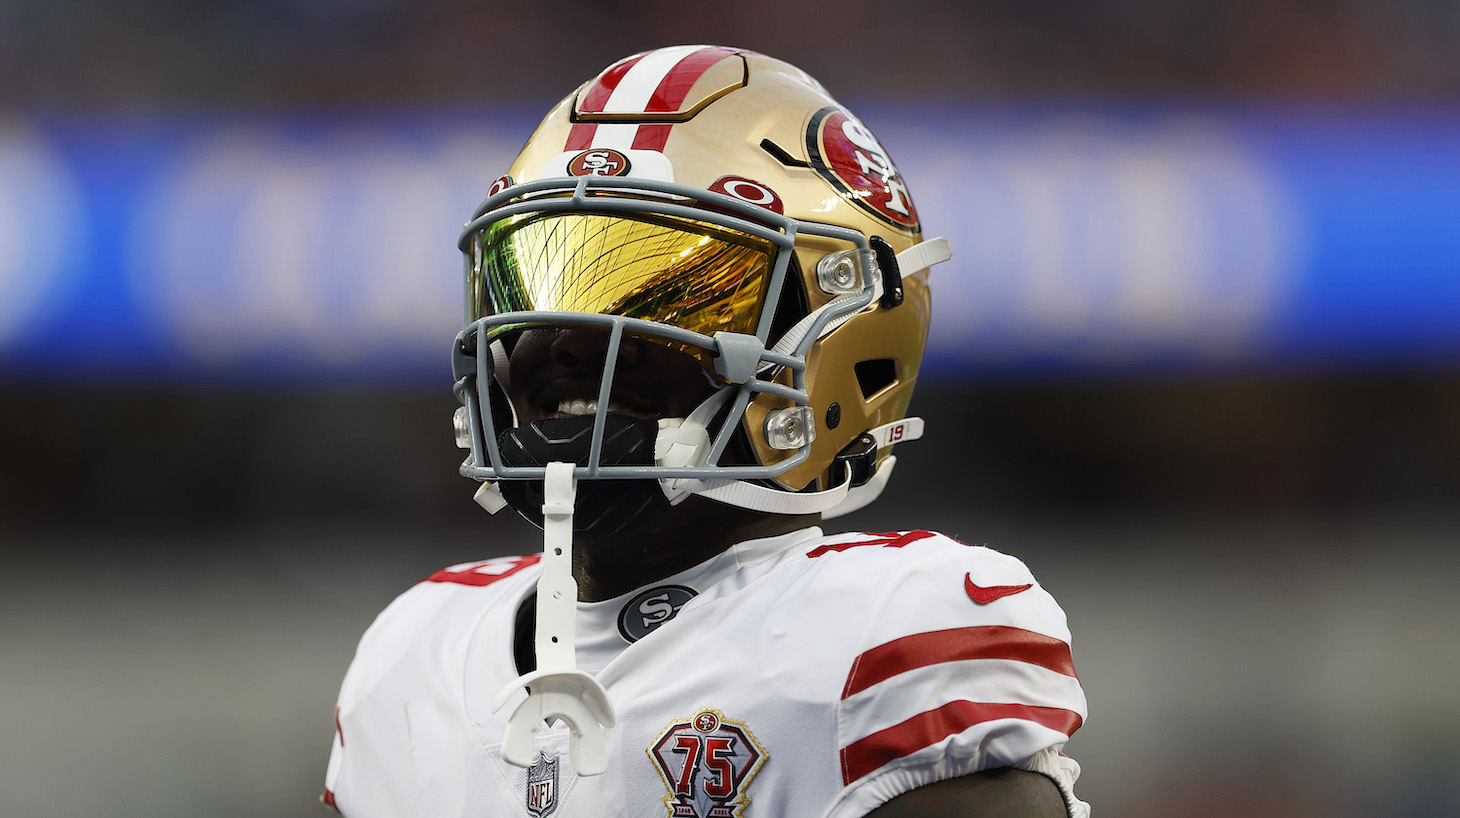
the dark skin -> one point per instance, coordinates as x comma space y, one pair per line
549, 367
1002, 793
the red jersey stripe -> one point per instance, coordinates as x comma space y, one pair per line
931, 648
484, 573
891, 540
866, 755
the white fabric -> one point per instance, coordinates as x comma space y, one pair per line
923, 255
599, 640
790, 644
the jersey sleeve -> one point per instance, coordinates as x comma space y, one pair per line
401, 694
965, 666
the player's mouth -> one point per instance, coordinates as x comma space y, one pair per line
578, 407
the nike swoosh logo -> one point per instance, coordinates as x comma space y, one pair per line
984, 594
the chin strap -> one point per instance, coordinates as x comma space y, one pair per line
864, 494
742, 494
686, 442
833, 502
557, 689
923, 255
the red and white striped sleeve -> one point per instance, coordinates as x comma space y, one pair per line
965, 666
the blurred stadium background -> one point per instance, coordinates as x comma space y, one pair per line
1197, 361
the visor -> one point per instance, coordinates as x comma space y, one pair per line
684, 273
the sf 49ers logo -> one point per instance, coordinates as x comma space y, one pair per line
848, 156
599, 162
707, 763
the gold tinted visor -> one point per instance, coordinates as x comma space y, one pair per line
688, 274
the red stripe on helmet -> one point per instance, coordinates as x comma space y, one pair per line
672, 90
603, 87
651, 136
580, 136
866, 755
667, 97
676, 84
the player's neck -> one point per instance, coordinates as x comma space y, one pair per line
687, 535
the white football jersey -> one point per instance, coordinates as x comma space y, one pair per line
806, 676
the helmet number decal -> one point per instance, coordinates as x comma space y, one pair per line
846, 154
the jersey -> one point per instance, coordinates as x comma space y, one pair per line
828, 677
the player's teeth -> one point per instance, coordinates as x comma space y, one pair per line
578, 407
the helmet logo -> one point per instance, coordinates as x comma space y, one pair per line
848, 156
502, 183
599, 162
748, 190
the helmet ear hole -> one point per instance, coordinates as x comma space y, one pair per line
875, 375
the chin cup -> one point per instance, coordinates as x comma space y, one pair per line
603, 507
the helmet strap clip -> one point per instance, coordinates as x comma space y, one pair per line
557, 688
892, 292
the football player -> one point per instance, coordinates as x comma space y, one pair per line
696, 305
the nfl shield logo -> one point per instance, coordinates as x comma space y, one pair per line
542, 786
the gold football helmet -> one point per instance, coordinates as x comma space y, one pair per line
720, 202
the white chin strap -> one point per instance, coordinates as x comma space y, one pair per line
833, 502
923, 255
557, 689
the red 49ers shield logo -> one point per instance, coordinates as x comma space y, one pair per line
849, 157
707, 763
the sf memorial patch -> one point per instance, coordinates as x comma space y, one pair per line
707, 762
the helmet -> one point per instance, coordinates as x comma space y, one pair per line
720, 202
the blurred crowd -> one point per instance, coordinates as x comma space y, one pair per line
1259, 567
204, 53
